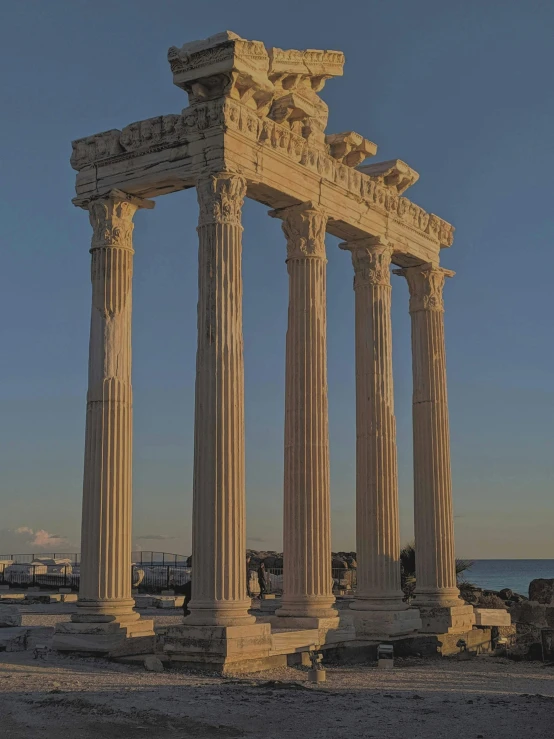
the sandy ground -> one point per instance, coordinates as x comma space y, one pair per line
64, 697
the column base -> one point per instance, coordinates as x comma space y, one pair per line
446, 619
279, 621
225, 649
447, 597
105, 627
384, 624
113, 638
308, 607
220, 613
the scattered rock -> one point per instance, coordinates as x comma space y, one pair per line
506, 594
542, 590
9, 616
153, 664
339, 564
13, 639
529, 612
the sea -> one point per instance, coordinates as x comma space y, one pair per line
516, 574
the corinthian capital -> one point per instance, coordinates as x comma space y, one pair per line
371, 258
111, 219
425, 283
220, 197
112, 223
304, 227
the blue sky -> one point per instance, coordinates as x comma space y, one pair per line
460, 91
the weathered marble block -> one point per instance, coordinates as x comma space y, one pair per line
492, 617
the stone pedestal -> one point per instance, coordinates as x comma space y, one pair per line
307, 577
116, 638
106, 616
386, 624
436, 589
447, 619
225, 649
379, 610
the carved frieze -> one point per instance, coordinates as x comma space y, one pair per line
224, 64
150, 135
297, 77
269, 96
425, 283
276, 82
374, 190
94, 148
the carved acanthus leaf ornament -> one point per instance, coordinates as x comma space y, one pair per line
220, 198
112, 254
425, 283
112, 223
304, 228
371, 259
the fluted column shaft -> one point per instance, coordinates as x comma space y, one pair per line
377, 522
307, 577
219, 530
105, 573
434, 520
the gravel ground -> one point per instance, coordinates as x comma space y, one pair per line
68, 696
65, 696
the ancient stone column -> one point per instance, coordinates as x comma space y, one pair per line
379, 595
218, 530
307, 577
437, 594
434, 520
105, 605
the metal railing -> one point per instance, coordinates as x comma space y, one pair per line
27, 576
144, 578
147, 558
22, 559
160, 558
152, 572
155, 578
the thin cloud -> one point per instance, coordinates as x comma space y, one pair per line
154, 537
40, 538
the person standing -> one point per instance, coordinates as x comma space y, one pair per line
187, 591
248, 591
261, 580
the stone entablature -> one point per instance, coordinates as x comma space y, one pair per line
244, 104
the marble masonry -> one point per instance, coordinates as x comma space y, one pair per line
255, 126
